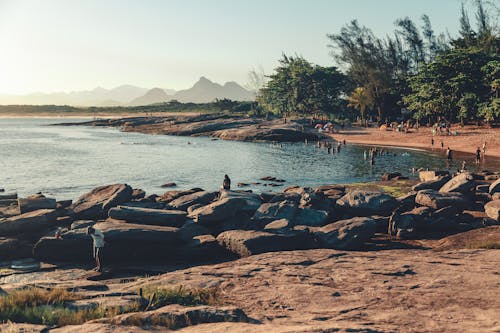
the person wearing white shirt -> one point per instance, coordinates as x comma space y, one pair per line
98, 245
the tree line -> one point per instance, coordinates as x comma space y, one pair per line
414, 72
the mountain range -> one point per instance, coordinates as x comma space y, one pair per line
203, 91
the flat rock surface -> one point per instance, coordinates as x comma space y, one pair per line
326, 290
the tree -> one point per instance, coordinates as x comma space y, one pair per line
297, 86
360, 99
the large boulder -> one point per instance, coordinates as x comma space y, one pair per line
183, 202
402, 226
172, 195
426, 176
11, 248
463, 183
95, 204
494, 187
249, 242
28, 222
169, 218
252, 201
492, 209
217, 211
35, 202
434, 184
269, 212
438, 200
203, 248
124, 242
311, 217
366, 202
348, 234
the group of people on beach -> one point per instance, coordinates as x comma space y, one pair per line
480, 152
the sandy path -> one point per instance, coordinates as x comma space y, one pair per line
467, 140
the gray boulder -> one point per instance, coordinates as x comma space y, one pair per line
463, 183
28, 222
11, 248
311, 217
252, 201
492, 209
35, 202
348, 234
96, 204
366, 202
169, 218
217, 211
402, 226
183, 202
435, 184
269, 212
80, 224
438, 200
202, 248
124, 242
426, 176
281, 225
245, 243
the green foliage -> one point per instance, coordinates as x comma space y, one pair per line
297, 86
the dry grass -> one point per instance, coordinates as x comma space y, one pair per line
159, 297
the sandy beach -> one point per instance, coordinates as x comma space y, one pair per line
467, 140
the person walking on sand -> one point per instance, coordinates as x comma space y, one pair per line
442, 144
484, 148
98, 245
449, 156
478, 155
226, 183
432, 142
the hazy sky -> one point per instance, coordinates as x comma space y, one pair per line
63, 45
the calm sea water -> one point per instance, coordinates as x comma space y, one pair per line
65, 162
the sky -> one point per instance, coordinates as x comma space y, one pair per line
69, 45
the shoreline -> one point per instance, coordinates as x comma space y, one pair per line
465, 143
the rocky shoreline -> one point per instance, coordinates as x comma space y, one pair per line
195, 228
218, 126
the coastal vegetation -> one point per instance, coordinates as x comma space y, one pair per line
433, 76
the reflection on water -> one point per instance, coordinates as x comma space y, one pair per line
68, 161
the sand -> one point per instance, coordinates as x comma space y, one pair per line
467, 140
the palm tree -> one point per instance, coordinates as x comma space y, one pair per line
360, 99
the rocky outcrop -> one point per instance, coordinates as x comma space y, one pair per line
162, 217
348, 234
431, 175
311, 217
249, 242
96, 204
183, 202
434, 184
35, 202
365, 203
217, 211
269, 212
12, 248
28, 222
124, 241
252, 201
462, 183
438, 200
494, 187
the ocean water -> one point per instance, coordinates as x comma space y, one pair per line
65, 162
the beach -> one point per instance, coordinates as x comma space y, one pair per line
468, 139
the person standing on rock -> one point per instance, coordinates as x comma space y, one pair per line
98, 245
226, 183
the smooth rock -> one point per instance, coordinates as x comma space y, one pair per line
172, 195
245, 243
183, 202
12, 248
390, 176
365, 203
438, 200
311, 217
252, 200
162, 217
435, 184
492, 209
217, 211
348, 234
28, 222
494, 187
425, 176
35, 202
279, 225
97, 203
269, 212
463, 183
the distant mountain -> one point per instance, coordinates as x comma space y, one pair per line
153, 96
203, 91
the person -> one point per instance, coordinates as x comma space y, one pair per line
364, 155
372, 160
448, 154
343, 141
432, 142
484, 148
226, 183
329, 148
338, 147
442, 144
464, 167
98, 245
478, 155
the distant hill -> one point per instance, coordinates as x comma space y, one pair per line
203, 91
153, 96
